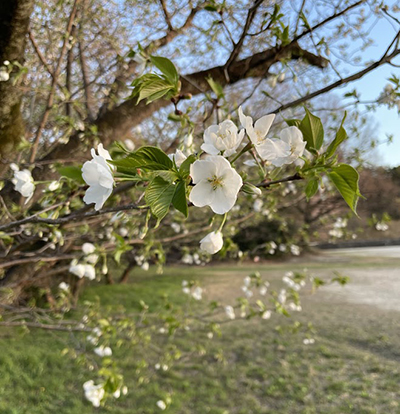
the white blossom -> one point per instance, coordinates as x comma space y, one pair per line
258, 204
178, 157
266, 148
92, 258
103, 351
90, 272
197, 293
129, 144
307, 341
230, 312
64, 287
210, 335
4, 75
266, 315
212, 243
381, 226
88, 248
23, 183
216, 184
97, 173
161, 405
145, 266
77, 270
176, 227
54, 185
293, 138
93, 393
223, 138
295, 250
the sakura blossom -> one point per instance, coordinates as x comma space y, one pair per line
217, 184
212, 243
97, 173
223, 138
23, 183
266, 148
93, 393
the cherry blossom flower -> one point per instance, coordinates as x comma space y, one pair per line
266, 148
97, 173
103, 351
230, 312
88, 248
4, 75
90, 272
54, 185
64, 287
77, 270
212, 243
93, 393
266, 315
293, 138
129, 144
197, 293
216, 184
223, 138
23, 183
178, 157
161, 405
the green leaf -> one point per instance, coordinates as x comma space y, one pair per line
293, 122
179, 200
158, 196
216, 87
166, 67
311, 187
345, 178
184, 169
313, 131
154, 154
72, 172
147, 158
153, 90
341, 136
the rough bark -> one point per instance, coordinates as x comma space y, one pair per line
14, 21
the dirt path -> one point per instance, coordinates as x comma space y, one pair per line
374, 277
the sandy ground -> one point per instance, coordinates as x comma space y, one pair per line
376, 286
374, 277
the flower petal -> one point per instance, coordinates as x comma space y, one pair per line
264, 124
202, 194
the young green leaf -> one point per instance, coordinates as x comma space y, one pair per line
179, 200
345, 178
72, 172
311, 187
313, 131
341, 136
158, 196
216, 87
166, 67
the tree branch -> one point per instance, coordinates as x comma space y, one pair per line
56, 74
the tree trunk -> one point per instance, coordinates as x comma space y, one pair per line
14, 21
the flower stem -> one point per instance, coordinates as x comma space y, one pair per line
245, 149
223, 222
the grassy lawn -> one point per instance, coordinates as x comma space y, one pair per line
253, 368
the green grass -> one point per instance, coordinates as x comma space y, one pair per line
352, 368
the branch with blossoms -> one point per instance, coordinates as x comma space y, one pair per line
211, 177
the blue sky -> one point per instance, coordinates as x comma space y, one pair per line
371, 85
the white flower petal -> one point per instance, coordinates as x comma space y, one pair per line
202, 194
